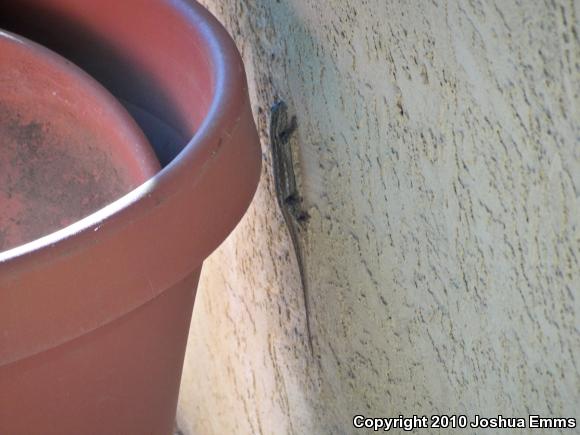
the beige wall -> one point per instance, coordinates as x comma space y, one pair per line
438, 150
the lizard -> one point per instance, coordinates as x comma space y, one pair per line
289, 200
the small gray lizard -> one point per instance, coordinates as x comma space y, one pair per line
289, 201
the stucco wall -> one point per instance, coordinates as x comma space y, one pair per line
438, 154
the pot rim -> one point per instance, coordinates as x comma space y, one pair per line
229, 73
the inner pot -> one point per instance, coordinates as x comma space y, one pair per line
67, 147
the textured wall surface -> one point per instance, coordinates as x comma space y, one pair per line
438, 155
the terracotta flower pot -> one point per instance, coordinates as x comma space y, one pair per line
94, 317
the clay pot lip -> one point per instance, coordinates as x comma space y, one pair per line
229, 97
